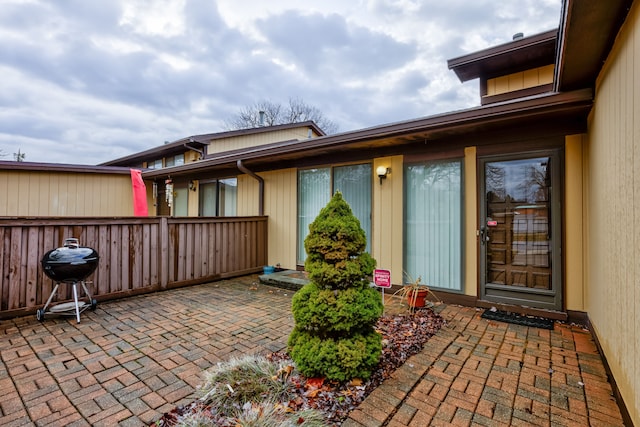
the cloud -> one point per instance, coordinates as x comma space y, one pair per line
87, 82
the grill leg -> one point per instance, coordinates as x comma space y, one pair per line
55, 289
75, 298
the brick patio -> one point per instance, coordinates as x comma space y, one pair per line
134, 359
477, 372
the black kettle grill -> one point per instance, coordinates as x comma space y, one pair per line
70, 264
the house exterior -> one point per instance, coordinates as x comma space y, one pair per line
210, 194
526, 202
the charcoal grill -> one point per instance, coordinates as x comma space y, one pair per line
69, 264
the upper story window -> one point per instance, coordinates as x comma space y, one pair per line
155, 164
176, 160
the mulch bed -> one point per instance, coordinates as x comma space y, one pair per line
403, 335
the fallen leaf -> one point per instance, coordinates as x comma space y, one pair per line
315, 382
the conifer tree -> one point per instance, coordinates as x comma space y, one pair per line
336, 312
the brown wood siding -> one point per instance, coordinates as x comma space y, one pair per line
136, 255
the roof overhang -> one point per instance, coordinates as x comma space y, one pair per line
198, 142
587, 32
518, 55
60, 167
168, 149
566, 107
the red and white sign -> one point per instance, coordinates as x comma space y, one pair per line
492, 223
382, 278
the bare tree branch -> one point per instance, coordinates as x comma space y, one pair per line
267, 113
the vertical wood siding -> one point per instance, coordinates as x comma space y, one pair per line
280, 205
137, 255
612, 296
522, 80
246, 141
32, 193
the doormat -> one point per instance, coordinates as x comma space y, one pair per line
518, 319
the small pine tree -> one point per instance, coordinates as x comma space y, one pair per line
336, 312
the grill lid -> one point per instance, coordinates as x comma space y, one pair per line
70, 263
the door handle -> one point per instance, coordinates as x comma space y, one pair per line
484, 235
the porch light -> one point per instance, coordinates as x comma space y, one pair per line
382, 172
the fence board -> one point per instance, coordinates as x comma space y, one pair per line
137, 255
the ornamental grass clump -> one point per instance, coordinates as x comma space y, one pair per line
336, 312
229, 386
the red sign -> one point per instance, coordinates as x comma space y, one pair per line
492, 223
382, 278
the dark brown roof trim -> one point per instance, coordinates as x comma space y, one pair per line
167, 149
460, 121
518, 55
587, 32
522, 93
59, 167
199, 141
241, 132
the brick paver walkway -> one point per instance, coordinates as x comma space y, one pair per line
134, 359
476, 372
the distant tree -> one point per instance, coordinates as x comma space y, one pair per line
267, 113
19, 157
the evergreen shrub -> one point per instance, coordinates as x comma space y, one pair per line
336, 312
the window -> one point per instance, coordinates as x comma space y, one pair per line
155, 164
433, 223
176, 160
180, 199
315, 187
219, 197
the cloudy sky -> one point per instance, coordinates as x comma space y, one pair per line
84, 82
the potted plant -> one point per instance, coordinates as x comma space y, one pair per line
415, 292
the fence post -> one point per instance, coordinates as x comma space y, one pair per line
163, 262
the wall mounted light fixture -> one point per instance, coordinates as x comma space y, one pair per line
193, 186
382, 172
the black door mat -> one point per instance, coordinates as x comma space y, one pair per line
518, 319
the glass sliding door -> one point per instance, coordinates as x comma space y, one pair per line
315, 187
354, 182
433, 224
219, 197
180, 200
208, 198
228, 196
314, 192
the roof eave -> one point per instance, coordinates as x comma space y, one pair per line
202, 140
509, 57
461, 121
586, 23
60, 167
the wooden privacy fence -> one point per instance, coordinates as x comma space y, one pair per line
137, 255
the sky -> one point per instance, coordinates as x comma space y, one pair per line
84, 82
